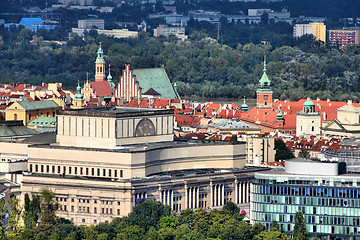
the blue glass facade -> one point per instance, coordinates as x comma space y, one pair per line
331, 205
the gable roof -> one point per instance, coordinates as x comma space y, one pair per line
151, 92
102, 88
157, 79
35, 105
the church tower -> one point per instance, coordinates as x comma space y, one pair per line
78, 98
100, 66
264, 96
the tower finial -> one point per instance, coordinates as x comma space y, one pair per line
264, 62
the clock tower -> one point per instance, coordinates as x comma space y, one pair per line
264, 97
100, 66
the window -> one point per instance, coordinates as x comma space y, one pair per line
81, 171
15, 116
53, 169
75, 171
69, 170
95, 210
72, 208
72, 200
92, 171
42, 168
30, 169
118, 212
58, 169
115, 173
36, 168
104, 172
83, 220
121, 173
109, 172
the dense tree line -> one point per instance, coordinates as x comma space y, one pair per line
200, 66
148, 220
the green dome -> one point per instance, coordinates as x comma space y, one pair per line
78, 95
308, 103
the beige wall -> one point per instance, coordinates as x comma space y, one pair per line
260, 150
308, 124
348, 114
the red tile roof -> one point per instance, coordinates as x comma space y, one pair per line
102, 88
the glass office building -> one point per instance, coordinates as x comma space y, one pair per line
329, 199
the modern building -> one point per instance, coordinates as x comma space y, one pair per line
105, 160
344, 37
32, 23
168, 31
116, 33
328, 198
91, 24
317, 29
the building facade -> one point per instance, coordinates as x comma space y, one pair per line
106, 160
317, 29
328, 198
344, 37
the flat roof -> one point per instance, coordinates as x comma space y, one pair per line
116, 112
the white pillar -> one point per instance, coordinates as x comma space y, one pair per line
223, 194
236, 191
193, 198
172, 199
211, 195
197, 196
186, 196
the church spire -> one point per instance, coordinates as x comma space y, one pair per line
109, 78
244, 106
100, 65
264, 81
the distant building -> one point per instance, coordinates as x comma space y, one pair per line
168, 31
317, 29
91, 23
328, 198
344, 37
32, 23
116, 33
77, 2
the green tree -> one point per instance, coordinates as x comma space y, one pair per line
299, 231
282, 152
148, 213
304, 153
257, 228
48, 207
231, 208
31, 210
271, 235
14, 211
274, 225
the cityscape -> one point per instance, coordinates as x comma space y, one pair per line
167, 119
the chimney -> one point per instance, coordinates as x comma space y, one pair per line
328, 100
349, 102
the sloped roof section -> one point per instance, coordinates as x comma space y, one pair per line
102, 88
15, 129
157, 79
38, 105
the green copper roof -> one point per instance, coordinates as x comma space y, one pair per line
43, 121
38, 105
309, 103
78, 95
264, 81
100, 56
244, 105
157, 79
12, 130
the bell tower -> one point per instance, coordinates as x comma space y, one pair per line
264, 98
100, 66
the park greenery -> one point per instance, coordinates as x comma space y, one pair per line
200, 66
148, 220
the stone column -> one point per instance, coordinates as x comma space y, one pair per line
193, 198
198, 197
186, 196
223, 194
211, 195
236, 191
160, 194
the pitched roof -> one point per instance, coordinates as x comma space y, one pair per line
151, 92
35, 105
101, 88
157, 79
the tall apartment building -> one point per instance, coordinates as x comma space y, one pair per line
344, 37
326, 195
317, 29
